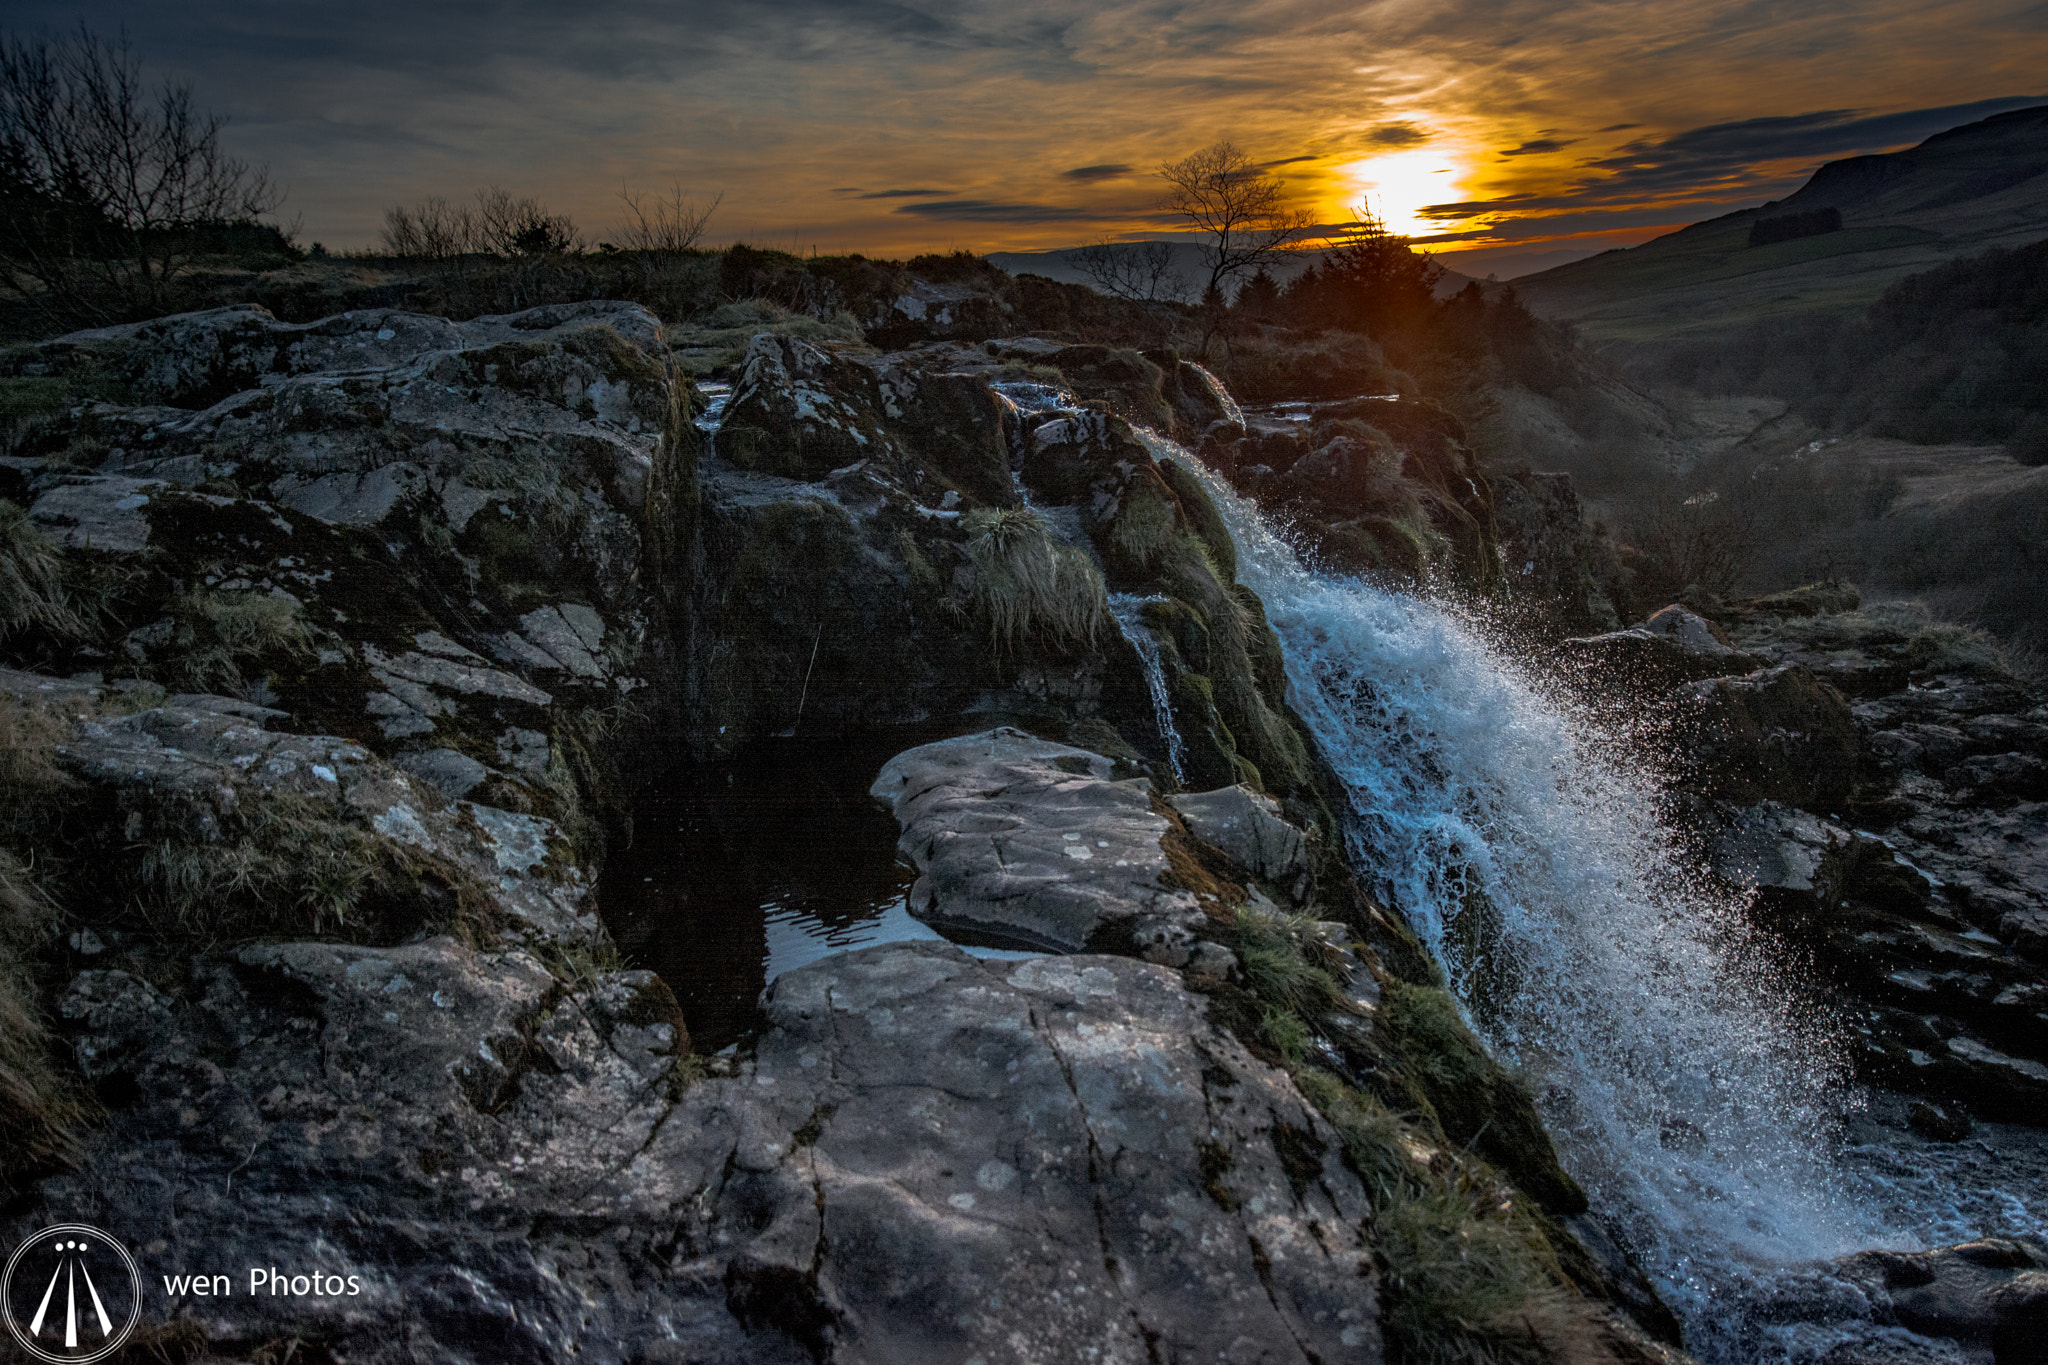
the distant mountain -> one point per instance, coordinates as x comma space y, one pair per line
1858, 226
1187, 259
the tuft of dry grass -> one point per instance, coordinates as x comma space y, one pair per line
220, 632
33, 591
1028, 587
42, 1102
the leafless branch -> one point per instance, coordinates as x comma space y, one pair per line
670, 224
1143, 272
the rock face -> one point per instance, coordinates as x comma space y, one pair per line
1898, 842
929, 1157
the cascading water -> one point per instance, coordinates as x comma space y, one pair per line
1128, 610
1690, 1098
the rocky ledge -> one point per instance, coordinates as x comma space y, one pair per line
1881, 782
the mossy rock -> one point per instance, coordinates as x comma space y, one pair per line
957, 428
1132, 385
1202, 517
1477, 1102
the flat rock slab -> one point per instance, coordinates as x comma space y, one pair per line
1033, 840
930, 1158
1055, 1159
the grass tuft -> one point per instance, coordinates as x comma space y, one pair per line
41, 1102
32, 582
220, 632
1281, 956
1027, 586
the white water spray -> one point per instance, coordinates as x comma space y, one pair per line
1685, 1092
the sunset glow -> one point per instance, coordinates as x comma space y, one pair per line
1398, 186
894, 128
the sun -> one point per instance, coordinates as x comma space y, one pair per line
1399, 185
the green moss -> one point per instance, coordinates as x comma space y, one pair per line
1477, 1101
1203, 517
923, 576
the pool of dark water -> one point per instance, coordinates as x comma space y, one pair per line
740, 870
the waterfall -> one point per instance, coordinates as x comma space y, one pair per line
1686, 1093
1128, 609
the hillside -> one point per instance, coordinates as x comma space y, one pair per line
1960, 192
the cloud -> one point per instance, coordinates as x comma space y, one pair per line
1725, 162
1540, 146
904, 194
1705, 155
779, 102
985, 211
1396, 135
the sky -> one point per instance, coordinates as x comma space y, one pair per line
1505, 134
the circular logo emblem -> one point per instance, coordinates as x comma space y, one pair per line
71, 1294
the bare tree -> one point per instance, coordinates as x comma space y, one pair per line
108, 183
433, 230
509, 225
1242, 212
498, 224
1143, 272
667, 224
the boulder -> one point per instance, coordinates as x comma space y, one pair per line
1776, 735
1248, 828
1991, 1295
1038, 843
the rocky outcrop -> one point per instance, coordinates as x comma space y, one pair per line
1896, 844
1779, 734
1381, 485
443, 541
1673, 646
390, 608
1555, 566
